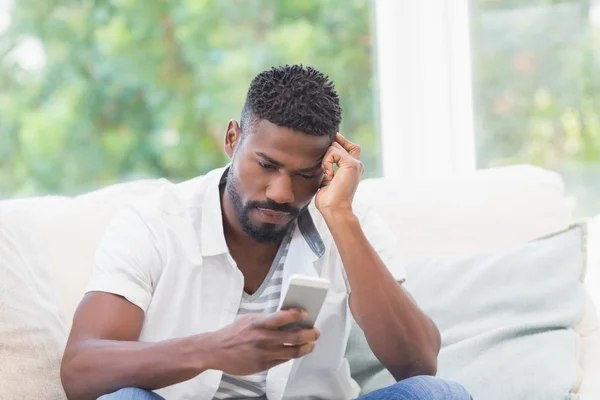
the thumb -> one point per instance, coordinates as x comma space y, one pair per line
327, 177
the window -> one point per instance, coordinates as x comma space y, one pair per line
98, 92
536, 67
425, 94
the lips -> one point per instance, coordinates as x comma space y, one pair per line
272, 216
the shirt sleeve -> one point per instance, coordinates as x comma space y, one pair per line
125, 259
383, 240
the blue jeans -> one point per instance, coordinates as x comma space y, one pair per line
416, 388
420, 388
131, 394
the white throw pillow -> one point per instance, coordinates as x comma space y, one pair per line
32, 333
508, 319
72, 234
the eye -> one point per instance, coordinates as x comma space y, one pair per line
266, 166
308, 176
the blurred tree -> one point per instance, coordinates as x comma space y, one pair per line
128, 89
537, 89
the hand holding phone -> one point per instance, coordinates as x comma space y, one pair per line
256, 343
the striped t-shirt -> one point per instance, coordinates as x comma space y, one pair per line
264, 300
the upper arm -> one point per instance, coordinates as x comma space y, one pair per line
121, 286
106, 316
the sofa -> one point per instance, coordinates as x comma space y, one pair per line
498, 262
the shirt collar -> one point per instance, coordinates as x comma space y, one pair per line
311, 234
211, 225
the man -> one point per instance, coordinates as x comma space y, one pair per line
182, 303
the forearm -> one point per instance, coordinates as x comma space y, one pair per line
96, 367
400, 335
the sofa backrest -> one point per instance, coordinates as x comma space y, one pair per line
487, 210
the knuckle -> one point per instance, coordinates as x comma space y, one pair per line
299, 315
256, 341
297, 338
316, 334
298, 351
263, 363
254, 323
308, 348
259, 340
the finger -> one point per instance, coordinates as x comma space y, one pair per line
352, 148
274, 340
302, 337
344, 154
326, 179
332, 157
289, 352
284, 317
340, 148
347, 159
299, 337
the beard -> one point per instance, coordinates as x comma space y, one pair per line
264, 232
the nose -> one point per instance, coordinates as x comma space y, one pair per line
281, 189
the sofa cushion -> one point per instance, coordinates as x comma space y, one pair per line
507, 319
72, 228
32, 333
487, 210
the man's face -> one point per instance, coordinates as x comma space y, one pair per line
274, 174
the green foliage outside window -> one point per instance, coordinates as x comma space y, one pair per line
134, 89
537, 89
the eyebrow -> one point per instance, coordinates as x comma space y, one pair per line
280, 164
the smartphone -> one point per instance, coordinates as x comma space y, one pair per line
308, 293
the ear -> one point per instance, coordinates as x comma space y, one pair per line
233, 137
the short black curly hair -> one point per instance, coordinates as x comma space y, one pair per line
296, 97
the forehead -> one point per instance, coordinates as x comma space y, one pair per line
286, 145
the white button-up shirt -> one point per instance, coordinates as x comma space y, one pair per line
167, 255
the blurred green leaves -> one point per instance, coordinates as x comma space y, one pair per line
135, 89
537, 89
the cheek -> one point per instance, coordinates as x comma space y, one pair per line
251, 181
